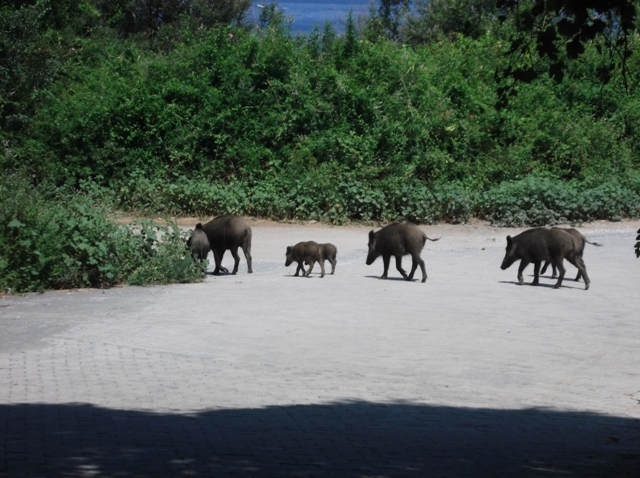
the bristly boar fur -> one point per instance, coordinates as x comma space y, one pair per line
305, 253
398, 239
328, 252
540, 244
581, 242
229, 232
199, 244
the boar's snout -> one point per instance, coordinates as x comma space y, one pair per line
370, 258
289, 256
510, 256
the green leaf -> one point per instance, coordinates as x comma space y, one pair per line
16, 223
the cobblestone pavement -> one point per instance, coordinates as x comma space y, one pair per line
272, 375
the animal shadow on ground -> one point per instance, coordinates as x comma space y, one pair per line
394, 278
548, 285
337, 439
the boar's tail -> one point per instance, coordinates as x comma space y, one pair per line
594, 243
434, 240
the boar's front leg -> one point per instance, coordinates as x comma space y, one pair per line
385, 260
311, 263
399, 267
523, 264
536, 272
298, 269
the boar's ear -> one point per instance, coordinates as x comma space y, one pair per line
509, 241
199, 225
288, 249
371, 235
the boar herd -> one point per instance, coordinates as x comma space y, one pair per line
538, 245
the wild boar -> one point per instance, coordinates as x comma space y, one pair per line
328, 251
581, 242
229, 232
305, 253
398, 239
540, 244
199, 244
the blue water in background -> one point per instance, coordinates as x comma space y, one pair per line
306, 13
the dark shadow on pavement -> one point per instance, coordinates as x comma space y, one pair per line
391, 278
542, 284
341, 439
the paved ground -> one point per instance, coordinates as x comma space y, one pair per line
272, 375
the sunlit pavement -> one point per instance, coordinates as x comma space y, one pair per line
272, 375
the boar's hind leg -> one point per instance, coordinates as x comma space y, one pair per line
561, 270
246, 248
321, 268
236, 259
523, 264
417, 261
582, 270
333, 265
399, 267
424, 271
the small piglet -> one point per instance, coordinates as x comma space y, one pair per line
305, 253
538, 245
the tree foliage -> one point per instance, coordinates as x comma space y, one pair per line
326, 126
549, 34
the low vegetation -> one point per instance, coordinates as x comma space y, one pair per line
49, 240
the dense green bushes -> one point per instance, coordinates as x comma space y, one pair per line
51, 240
232, 106
535, 200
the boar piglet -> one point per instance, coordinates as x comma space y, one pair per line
328, 252
305, 253
538, 245
229, 232
398, 239
581, 242
199, 244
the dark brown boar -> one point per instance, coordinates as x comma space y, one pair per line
540, 244
581, 242
229, 233
398, 239
328, 252
199, 244
305, 253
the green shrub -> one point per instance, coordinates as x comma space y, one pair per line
539, 201
50, 240
150, 254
